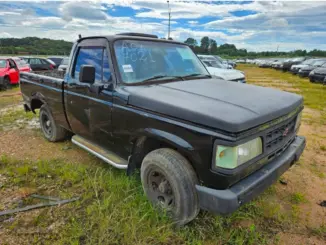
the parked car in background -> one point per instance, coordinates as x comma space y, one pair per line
22, 64
304, 72
64, 64
266, 63
318, 74
56, 59
215, 69
278, 64
295, 68
40, 64
215, 58
287, 65
10, 69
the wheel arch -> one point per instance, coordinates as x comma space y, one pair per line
153, 139
37, 102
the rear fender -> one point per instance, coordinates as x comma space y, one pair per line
37, 100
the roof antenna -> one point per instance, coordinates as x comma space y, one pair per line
79, 36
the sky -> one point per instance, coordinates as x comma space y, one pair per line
254, 25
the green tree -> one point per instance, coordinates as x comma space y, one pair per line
204, 45
213, 46
191, 42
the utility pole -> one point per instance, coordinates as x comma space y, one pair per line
169, 11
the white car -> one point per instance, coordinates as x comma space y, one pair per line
64, 64
218, 71
223, 63
227, 74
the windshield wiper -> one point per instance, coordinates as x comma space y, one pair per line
160, 77
197, 75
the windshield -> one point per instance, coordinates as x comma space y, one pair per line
3, 63
308, 62
319, 62
210, 63
142, 60
65, 61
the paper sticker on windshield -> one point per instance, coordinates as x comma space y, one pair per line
127, 68
185, 53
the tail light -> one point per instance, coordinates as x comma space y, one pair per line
52, 66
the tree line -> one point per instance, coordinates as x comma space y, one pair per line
45, 46
209, 46
34, 45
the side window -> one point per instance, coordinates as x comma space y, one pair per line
35, 62
44, 62
96, 57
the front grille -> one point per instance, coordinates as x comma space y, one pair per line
278, 137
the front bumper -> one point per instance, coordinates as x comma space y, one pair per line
304, 73
229, 200
294, 71
317, 77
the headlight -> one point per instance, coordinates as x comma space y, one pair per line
298, 121
232, 157
312, 73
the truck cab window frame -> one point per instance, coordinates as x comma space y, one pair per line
99, 59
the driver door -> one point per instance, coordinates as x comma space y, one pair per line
89, 113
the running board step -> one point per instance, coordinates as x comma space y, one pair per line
106, 155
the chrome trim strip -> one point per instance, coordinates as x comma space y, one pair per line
119, 166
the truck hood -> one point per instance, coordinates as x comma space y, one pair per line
226, 74
215, 103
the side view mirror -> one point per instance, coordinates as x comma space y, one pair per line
87, 74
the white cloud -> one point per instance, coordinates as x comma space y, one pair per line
193, 22
82, 10
292, 25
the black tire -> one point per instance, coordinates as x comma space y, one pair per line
177, 180
51, 131
6, 83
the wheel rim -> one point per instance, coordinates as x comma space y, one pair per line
160, 190
46, 124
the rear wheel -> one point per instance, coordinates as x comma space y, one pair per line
169, 183
6, 83
51, 131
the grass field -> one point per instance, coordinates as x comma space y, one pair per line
112, 208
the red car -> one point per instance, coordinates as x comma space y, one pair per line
10, 69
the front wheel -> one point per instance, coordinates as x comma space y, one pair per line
51, 131
6, 83
169, 182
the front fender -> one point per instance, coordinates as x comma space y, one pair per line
169, 138
150, 139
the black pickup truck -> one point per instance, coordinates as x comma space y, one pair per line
139, 102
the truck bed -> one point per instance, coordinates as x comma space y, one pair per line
51, 73
45, 87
